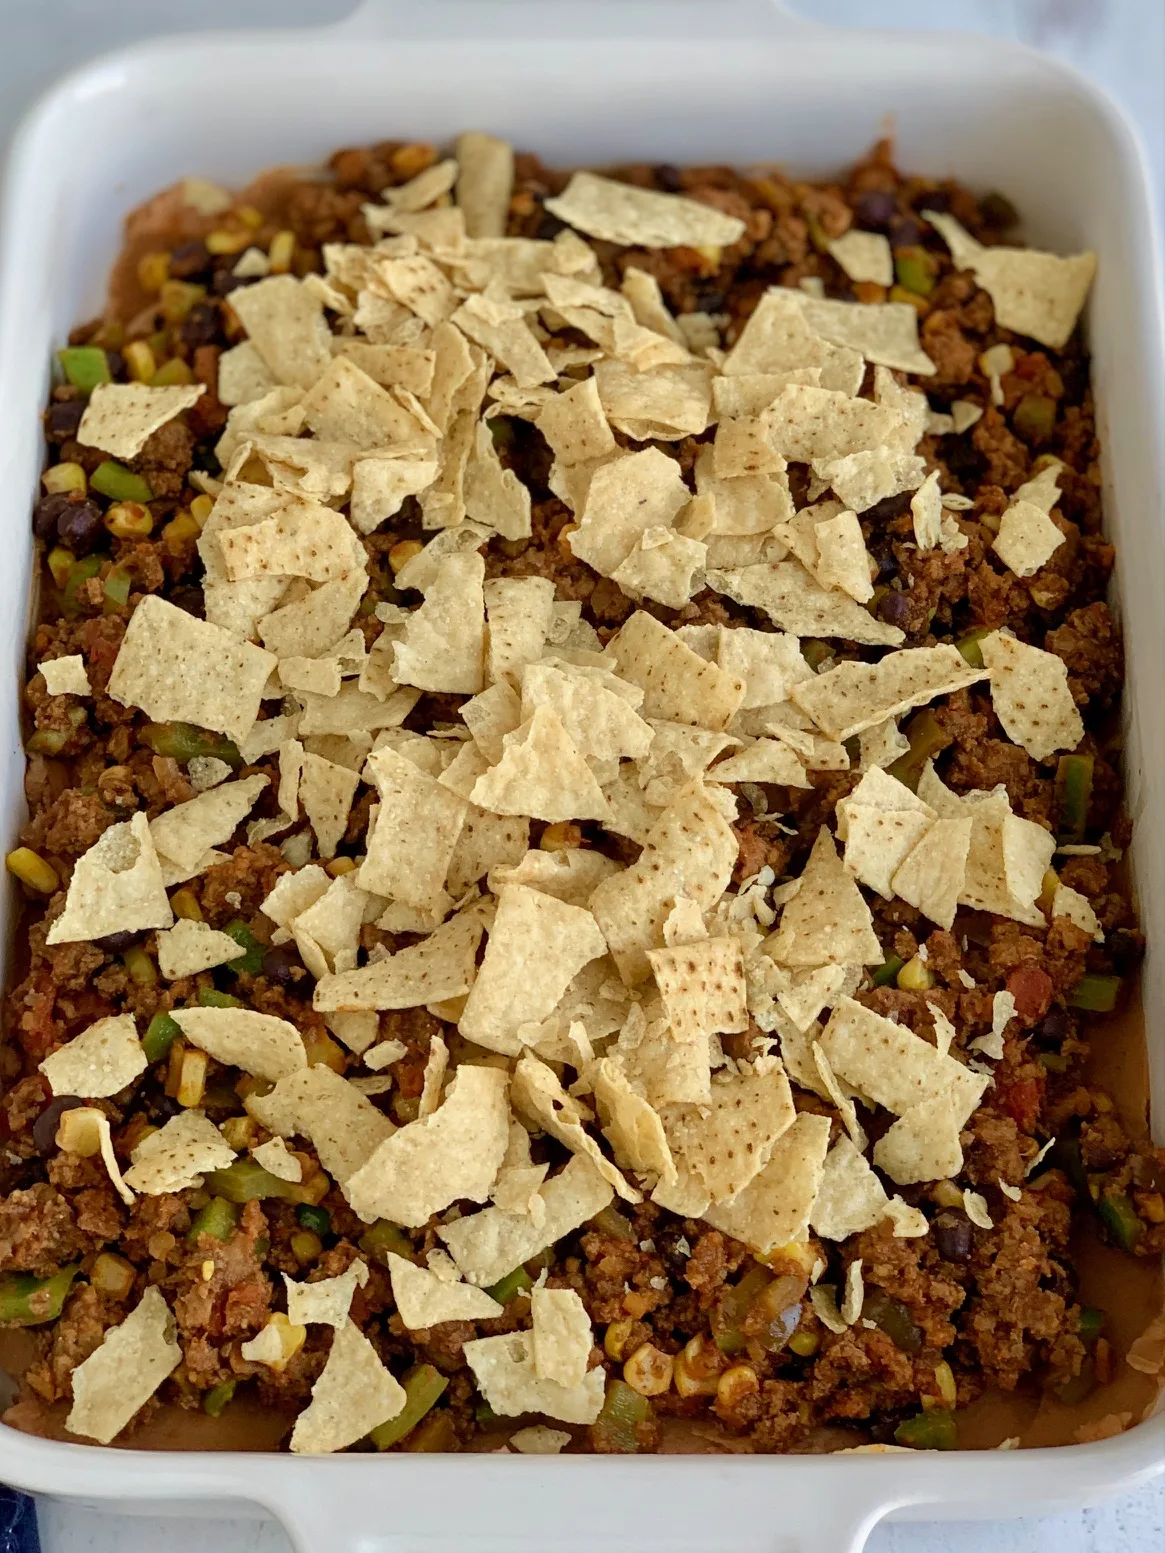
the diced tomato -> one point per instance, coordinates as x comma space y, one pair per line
1032, 990
1021, 1101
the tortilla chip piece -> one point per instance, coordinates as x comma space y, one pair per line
794, 601
932, 874
65, 676
621, 213
116, 887
485, 179
453, 1153
184, 833
927, 510
726, 1147
190, 947
630, 1124
864, 256
804, 424
887, 1062
883, 332
500, 327
1034, 293
854, 696
774, 1208
120, 418
636, 492
537, 945
827, 922
344, 1127
326, 791
180, 669
777, 339
260, 1044
843, 561
667, 402
124, 1371
519, 612
702, 987
539, 1440
1066, 902
344, 404
99, 1062
1030, 695
562, 1336
1027, 538
243, 375
278, 1160
443, 647
424, 1300
416, 830
851, 1197
355, 1393
175, 1157
572, 876
679, 686
541, 774
598, 717
301, 539
575, 426
504, 1369
923, 1144
286, 324
861, 480
537, 1093
325, 1302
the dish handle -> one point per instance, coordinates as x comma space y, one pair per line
564, 19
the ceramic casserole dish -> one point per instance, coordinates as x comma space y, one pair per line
734, 82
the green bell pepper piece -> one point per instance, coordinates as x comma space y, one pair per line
27, 1301
1095, 994
1121, 1220
217, 1219
623, 1411
161, 1033
119, 483
216, 1399
423, 1387
252, 961
246, 1181
509, 1287
85, 366
930, 1431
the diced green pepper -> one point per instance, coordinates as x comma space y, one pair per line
217, 1219
927, 738
59, 562
183, 741
27, 1301
79, 572
914, 268
892, 1317
315, 1218
209, 998
423, 1387
1053, 1062
1064, 1155
887, 973
85, 366
1095, 994
161, 1033
1120, 1218
141, 968
485, 1415
969, 646
216, 1399
252, 961
246, 1181
511, 1286
933, 1430
611, 1222
728, 1320
1074, 794
119, 483
1034, 417
815, 652
117, 586
1090, 1323
623, 1411
383, 1237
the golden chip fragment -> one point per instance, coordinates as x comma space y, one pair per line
622, 213
597, 710
778, 340
888, 1063
933, 873
678, 685
827, 922
174, 1157
727, 1143
441, 966
538, 1094
854, 696
65, 676
261, 1044
443, 647
637, 492
120, 418
326, 791
184, 833
864, 256
703, 991
861, 480
485, 178
354, 1393
285, 322
850, 1198
774, 1208
344, 1127
664, 565
519, 614
278, 1160
424, 1300
542, 774
793, 600
504, 1368
1031, 696
562, 1336
189, 947
500, 327
411, 844
1027, 538
327, 1301
123, 1372
666, 402
99, 1062
117, 887
804, 424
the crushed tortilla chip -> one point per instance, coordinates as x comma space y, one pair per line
519, 613
425, 1300
189, 947
562, 1336
827, 922
851, 1198
774, 1208
864, 256
120, 418
679, 686
117, 887
728, 1145
326, 791
184, 833
933, 873
642, 218
485, 178
441, 966
411, 844
123, 1372
261, 1044
325, 1302
344, 1127
353, 1395
1027, 538
1030, 695
286, 324
539, 1440
278, 1160
637, 492
887, 1062
541, 774
99, 1062
599, 719
504, 1369
174, 1158
854, 696
794, 601
1066, 902
443, 647
65, 676
538, 1094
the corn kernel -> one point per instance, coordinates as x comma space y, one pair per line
281, 252
946, 1194
141, 968
250, 216
249, 1085
192, 1079
174, 373
139, 360
697, 1368
919, 303
64, 477
402, 553
291, 1340
615, 1339
153, 270
804, 1343
178, 297
562, 837
321, 1049
239, 1131
313, 1190
563, 537
31, 869
79, 1132
113, 1275
201, 508
58, 561
915, 976
129, 520
306, 1245
181, 528
736, 1384
207, 1270
223, 241
184, 903
945, 1378
648, 1371
338, 866
174, 1067
408, 161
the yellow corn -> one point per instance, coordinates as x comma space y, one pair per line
312, 1190
192, 1079
174, 1067
178, 297
804, 1343
946, 1194
697, 1368
181, 527
945, 1378
201, 508
139, 360
249, 216
153, 270
1151, 1206
239, 1131
736, 1384
900, 294
649, 1371
321, 1049
408, 161
184, 904
615, 1340
79, 1132
915, 976
338, 866
64, 477
224, 241
306, 1245
249, 1085
58, 561
129, 520
31, 869
402, 553
112, 1275
281, 252
291, 1340
1048, 890
174, 373
562, 837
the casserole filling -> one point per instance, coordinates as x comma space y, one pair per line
575, 871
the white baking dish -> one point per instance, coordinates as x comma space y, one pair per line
733, 81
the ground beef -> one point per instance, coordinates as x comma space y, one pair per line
39, 1231
1089, 642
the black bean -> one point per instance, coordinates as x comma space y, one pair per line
48, 512
875, 210
894, 609
190, 599
889, 507
997, 211
548, 227
224, 281
905, 233
935, 199
80, 527
189, 260
711, 301
116, 364
116, 943
1054, 1027
44, 1129
63, 419
283, 966
887, 562
952, 1236
202, 325
668, 176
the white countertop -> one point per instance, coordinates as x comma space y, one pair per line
1122, 44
